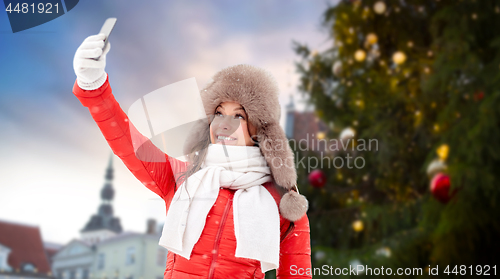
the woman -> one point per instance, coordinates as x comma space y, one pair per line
233, 210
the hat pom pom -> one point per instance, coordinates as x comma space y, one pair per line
293, 206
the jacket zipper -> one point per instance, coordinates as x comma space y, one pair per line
173, 264
219, 235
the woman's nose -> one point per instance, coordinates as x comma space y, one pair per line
228, 123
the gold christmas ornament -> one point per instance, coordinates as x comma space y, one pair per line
379, 7
360, 104
371, 38
339, 176
399, 57
418, 117
357, 225
360, 55
321, 135
442, 151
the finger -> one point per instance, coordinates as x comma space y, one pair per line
89, 53
103, 55
94, 38
91, 63
92, 44
106, 50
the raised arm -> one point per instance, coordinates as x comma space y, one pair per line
155, 169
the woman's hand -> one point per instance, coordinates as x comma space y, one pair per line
89, 71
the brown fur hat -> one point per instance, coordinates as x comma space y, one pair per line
257, 91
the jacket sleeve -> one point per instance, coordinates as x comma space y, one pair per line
295, 252
155, 169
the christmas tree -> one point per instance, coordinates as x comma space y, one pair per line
420, 81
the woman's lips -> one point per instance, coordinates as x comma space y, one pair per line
225, 139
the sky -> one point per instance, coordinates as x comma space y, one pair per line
53, 156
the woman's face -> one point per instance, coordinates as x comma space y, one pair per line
230, 125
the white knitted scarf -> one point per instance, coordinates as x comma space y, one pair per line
256, 215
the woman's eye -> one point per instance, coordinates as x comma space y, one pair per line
237, 116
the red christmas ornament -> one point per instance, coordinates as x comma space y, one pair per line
440, 187
478, 95
317, 178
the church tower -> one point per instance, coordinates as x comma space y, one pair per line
103, 225
290, 119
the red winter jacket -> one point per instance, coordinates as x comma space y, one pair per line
213, 255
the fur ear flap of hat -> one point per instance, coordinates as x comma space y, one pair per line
279, 156
257, 92
293, 205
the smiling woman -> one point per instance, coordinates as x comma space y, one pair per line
230, 126
233, 210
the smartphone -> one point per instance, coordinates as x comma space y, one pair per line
106, 29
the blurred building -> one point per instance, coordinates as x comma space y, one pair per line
22, 254
130, 256
74, 260
105, 251
304, 130
51, 249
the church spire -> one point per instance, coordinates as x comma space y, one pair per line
104, 219
107, 192
109, 171
290, 119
